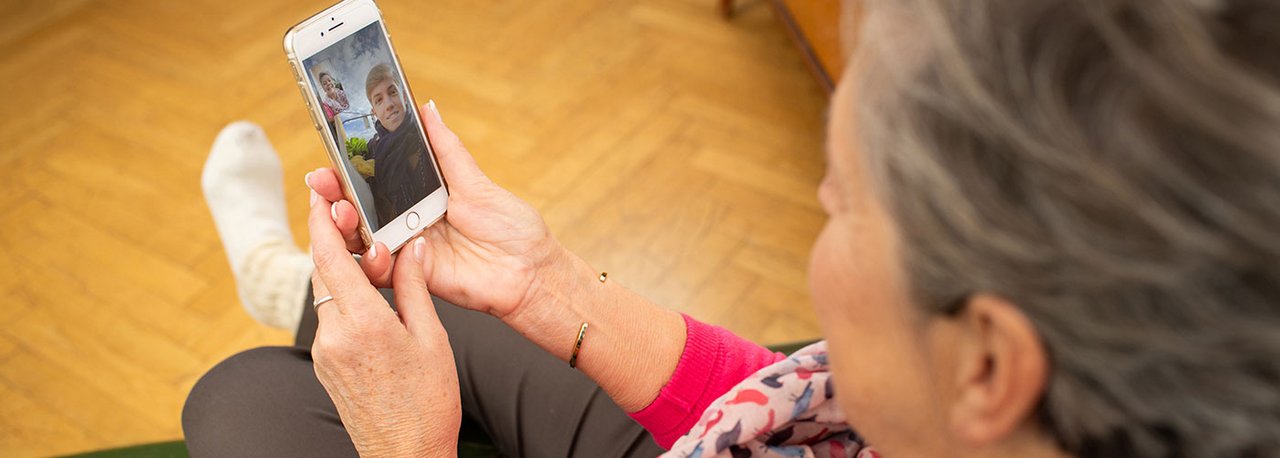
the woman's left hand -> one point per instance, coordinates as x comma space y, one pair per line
391, 377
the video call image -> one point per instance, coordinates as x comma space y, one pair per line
364, 102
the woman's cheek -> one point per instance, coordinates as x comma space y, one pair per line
852, 324
820, 282
827, 285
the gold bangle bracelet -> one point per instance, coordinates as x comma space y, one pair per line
577, 345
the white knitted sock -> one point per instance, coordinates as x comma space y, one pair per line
243, 186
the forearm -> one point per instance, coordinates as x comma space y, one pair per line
631, 346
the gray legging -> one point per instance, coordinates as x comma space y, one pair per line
268, 402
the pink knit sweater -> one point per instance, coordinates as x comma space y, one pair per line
714, 360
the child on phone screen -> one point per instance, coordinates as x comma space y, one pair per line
335, 98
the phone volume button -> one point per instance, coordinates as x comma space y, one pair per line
297, 76
311, 112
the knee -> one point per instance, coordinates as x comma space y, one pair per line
235, 394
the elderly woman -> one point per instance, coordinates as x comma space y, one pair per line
1052, 232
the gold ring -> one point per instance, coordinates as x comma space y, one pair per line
316, 305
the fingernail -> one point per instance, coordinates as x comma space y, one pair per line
420, 248
333, 211
314, 196
307, 178
431, 104
373, 252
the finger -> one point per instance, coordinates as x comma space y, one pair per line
457, 164
324, 181
376, 264
347, 218
413, 301
334, 264
318, 291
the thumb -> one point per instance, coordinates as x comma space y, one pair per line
413, 301
456, 163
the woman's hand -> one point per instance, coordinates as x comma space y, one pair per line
488, 251
494, 254
392, 377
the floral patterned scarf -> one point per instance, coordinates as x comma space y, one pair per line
783, 410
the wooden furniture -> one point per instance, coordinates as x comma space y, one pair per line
814, 25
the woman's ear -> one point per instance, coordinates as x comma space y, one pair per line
1002, 371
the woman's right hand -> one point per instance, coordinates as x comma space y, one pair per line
485, 254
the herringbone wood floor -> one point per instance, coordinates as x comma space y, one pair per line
677, 151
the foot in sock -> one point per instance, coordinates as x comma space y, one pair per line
243, 186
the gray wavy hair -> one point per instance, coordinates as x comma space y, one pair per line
1112, 167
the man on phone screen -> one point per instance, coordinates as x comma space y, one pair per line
402, 174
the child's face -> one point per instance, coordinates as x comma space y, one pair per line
328, 83
388, 106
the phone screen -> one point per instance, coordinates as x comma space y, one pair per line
372, 119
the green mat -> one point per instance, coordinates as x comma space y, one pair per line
178, 449
472, 443
171, 449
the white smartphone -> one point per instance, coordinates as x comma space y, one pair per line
361, 105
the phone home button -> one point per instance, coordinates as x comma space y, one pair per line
412, 220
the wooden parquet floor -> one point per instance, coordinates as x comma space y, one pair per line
677, 151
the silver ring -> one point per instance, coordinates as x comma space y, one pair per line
316, 305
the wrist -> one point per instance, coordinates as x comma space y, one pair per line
632, 346
558, 277
559, 299
434, 443
443, 448
423, 432
420, 447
